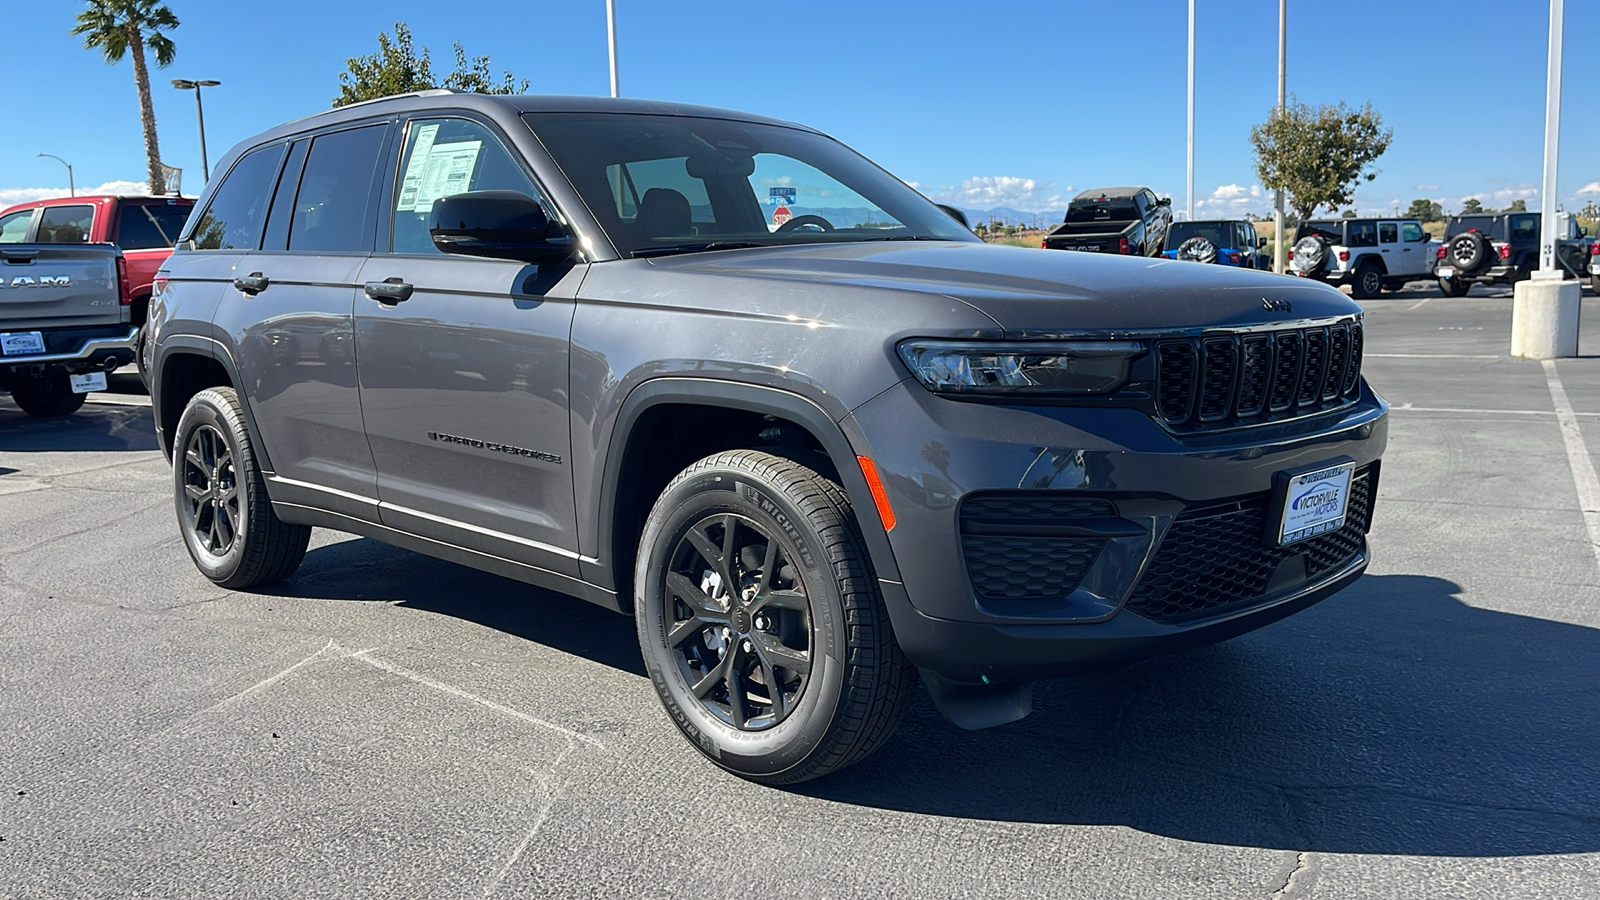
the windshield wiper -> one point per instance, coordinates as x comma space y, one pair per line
672, 249
905, 237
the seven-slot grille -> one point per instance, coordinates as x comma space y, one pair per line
1226, 381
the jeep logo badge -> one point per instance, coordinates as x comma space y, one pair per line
1282, 306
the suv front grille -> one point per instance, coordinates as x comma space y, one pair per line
1212, 383
1215, 556
1012, 558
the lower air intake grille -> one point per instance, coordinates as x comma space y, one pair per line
1011, 558
1214, 557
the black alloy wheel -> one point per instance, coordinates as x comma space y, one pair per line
760, 619
210, 490
1368, 283
220, 496
1467, 251
740, 624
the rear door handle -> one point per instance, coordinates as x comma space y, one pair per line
254, 283
389, 291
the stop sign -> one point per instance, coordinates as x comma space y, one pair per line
781, 215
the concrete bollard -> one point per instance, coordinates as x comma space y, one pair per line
1544, 318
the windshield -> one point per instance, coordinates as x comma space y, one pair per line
1220, 234
661, 184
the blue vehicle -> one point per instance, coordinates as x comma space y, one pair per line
1228, 242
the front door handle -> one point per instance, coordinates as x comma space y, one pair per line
389, 291
252, 284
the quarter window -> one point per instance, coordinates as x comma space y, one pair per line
444, 157
1362, 234
239, 207
1524, 228
65, 224
14, 228
334, 203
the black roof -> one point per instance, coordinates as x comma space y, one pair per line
1110, 193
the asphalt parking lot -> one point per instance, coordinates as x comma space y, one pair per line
385, 724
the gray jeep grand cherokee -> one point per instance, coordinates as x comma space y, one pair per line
723, 374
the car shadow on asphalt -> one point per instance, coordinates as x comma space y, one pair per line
1391, 719
362, 569
96, 428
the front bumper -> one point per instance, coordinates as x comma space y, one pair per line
933, 453
75, 350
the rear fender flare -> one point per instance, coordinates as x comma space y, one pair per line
195, 345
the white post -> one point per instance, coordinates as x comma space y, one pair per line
1191, 110
1552, 144
611, 33
1545, 308
1280, 242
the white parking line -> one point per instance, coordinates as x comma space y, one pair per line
1419, 303
1428, 356
1406, 407
1583, 476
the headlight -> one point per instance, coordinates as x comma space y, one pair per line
1077, 367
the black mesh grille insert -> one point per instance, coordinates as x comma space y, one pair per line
1008, 560
1228, 381
1214, 557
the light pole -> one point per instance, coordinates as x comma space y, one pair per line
184, 84
72, 189
1552, 144
1279, 245
1191, 110
611, 38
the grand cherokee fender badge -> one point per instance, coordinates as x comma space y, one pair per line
491, 445
1282, 306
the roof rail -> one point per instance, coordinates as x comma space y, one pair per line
431, 92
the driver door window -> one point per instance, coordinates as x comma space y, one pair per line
14, 228
445, 157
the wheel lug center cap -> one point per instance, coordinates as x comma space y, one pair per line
739, 617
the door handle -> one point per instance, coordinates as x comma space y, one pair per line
252, 284
389, 291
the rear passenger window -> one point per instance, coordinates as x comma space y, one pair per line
14, 228
65, 224
239, 207
445, 157
148, 226
334, 203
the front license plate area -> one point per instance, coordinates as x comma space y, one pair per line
1311, 502
92, 381
21, 343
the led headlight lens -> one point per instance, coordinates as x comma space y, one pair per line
1077, 367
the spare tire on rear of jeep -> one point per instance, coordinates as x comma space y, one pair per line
1310, 255
1198, 249
1468, 251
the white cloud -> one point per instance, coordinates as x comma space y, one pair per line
1232, 200
1592, 189
13, 196
1504, 196
1425, 187
990, 191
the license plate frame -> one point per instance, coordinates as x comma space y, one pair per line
87, 382
1310, 501
21, 343
1445, 271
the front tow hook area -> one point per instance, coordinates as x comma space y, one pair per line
972, 706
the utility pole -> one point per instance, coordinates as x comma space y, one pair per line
1280, 245
72, 190
611, 32
1191, 110
1545, 309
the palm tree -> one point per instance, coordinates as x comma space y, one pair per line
117, 26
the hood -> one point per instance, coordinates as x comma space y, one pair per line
1042, 293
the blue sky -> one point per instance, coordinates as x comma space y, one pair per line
978, 104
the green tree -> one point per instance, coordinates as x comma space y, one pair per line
119, 28
1319, 155
1517, 206
397, 68
1425, 210
1472, 206
1348, 214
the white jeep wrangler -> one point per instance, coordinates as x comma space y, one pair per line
1370, 255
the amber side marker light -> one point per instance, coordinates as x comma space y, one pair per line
879, 495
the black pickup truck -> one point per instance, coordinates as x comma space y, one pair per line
1130, 221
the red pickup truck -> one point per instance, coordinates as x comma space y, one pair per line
144, 227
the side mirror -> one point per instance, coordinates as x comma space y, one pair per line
1583, 231
496, 225
1164, 201
956, 214
1261, 243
